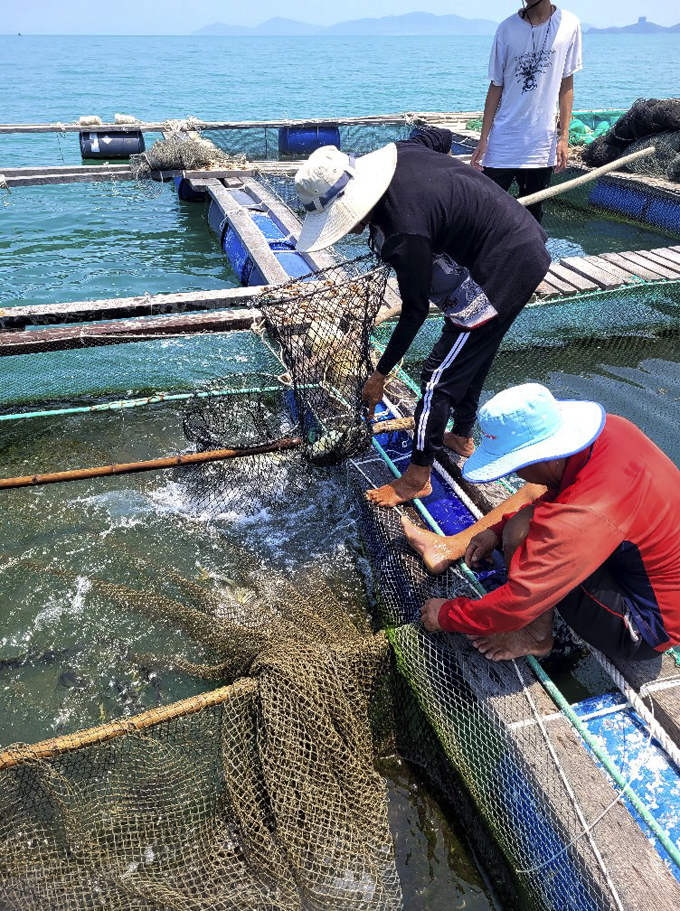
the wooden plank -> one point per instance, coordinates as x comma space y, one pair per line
582, 265
637, 260
669, 255
65, 339
562, 287
249, 234
665, 268
121, 307
625, 274
662, 677
580, 282
74, 176
62, 169
620, 260
160, 126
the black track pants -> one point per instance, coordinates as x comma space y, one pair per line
529, 180
452, 380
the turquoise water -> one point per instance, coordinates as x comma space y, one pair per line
47, 79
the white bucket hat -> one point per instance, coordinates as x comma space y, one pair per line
524, 425
338, 191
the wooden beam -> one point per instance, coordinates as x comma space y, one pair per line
65, 339
121, 307
160, 126
249, 234
660, 679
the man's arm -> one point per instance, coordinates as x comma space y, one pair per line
565, 544
493, 99
566, 105
410, 255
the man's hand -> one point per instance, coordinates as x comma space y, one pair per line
429, 613
478, 154
481, 547
373, 392
562, 154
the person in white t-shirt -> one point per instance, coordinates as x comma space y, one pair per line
534, 57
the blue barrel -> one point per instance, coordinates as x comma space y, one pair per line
110, 144
303, 140
186, 192
621, 200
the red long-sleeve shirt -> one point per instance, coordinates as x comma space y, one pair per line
618, 498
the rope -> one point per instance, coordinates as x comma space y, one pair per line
655, 728
587, 829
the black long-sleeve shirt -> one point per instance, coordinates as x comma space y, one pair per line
436, 204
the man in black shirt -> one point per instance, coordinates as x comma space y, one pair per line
426, 204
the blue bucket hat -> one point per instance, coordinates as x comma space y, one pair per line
524, 425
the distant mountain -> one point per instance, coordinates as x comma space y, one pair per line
409, 24
414, 24
276, 26
641, 27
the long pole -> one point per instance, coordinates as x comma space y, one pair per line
191, 458
585, 178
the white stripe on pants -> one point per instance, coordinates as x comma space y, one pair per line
429, 389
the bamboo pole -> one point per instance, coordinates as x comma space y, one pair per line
192, 458
56, 746
550, 192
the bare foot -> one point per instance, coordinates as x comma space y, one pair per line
438, 553
464, 446
415, 482
534, 639
398, 491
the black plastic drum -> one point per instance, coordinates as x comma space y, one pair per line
110, 144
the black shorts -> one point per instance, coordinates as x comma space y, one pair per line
598, 611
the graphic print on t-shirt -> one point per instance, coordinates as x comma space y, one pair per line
530, 65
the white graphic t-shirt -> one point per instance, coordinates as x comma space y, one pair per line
530, 63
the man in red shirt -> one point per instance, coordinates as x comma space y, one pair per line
601, 544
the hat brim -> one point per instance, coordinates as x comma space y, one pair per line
373, 173
582, 423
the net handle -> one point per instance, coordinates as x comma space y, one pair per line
191, 458
551, 192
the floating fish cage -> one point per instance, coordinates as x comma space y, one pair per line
576, 797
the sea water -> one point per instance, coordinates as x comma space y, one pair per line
83, 241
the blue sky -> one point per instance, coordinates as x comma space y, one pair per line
158, 17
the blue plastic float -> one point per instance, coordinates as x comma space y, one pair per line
303, 140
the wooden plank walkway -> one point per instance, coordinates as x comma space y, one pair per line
577, 274
160, 126
75, 173
91, 336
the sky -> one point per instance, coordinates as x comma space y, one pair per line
173, 17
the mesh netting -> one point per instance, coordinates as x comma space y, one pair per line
265, 143
260, 795
646, 118
322, 329
533, 783
181, 152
